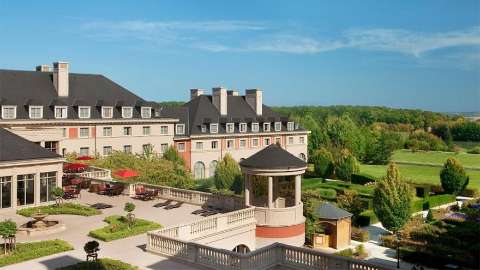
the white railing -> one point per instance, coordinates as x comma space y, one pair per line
96, 173
264, 258
209, 226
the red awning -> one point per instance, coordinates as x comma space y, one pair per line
85, 158
126, 173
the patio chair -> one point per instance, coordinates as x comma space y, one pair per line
173, 206
115, 190
151, 195
165, 203
102, 189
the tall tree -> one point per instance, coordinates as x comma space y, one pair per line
453, 177
228, 175
391, 200
323, 162
346, 165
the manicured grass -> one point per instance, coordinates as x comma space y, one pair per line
316, 183
118, 228
438, 158
419, 174
101, 264
33, 250
62, 209
467, 145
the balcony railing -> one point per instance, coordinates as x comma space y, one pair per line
96, 173
279, 216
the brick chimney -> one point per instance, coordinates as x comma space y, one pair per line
196, 92
254, 99
60, 78
219, 99
43, 68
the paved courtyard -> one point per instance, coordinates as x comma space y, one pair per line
130, 250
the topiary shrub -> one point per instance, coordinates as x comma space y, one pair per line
453, 177
362, 178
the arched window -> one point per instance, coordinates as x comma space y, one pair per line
212, 168
302, 157
241, 249
199, 170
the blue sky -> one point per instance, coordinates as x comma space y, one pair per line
410, 54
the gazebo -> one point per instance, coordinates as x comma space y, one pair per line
337, 225
273, 186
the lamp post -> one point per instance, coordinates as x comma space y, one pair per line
398, 249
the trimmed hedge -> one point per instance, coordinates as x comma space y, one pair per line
327, 193
101, 264
62, 209
362, 178
366, 218
432, 201
33, 250
118, 228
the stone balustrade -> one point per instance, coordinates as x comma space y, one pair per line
280, 216
96, 173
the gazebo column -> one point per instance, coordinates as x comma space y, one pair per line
298, 189
248, 187
270, 192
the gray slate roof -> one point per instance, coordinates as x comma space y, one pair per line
329, 211
14, 147
24, 88
273, 157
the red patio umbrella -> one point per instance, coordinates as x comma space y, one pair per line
85, 158
126, 173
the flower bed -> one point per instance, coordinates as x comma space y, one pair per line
118, 228
33, 250
62, 209
101, 264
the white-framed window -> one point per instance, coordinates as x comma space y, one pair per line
64, 132
163, 130
266, 141
255, 127
107, 150
181, 147
266, 127
301, 140
290, 126
84, 151
255, 142
199, 145
127, 131
290, 140
107, 131
243, 143
203, 128
35, 112
278, 140
278, 126
127, 112
107, 112
146, 112
9, 112
180, 129
146, 130
84, 132
213, 128
230, 144
61, 112
243, 127
163, 147
230, 128
83, 112
199, 170
147, 148
127, 149
214, 144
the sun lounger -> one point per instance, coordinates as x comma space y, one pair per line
165, 203
173, 206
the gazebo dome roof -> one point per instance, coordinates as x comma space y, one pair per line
273, 157
330, 211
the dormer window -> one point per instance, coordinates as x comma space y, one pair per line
266, 127
9, 112
243, 127
203, 128
61, 112
84, 112
213, 128
255, 127
127, 112
230, 128
290, 126
278, 126
107, 112
180, 129
146, 112
35, 112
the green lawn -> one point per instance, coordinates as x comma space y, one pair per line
62, 209
118, 228
467, 160
419, 174
101, 264
316, 183
467, 145
33, 250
